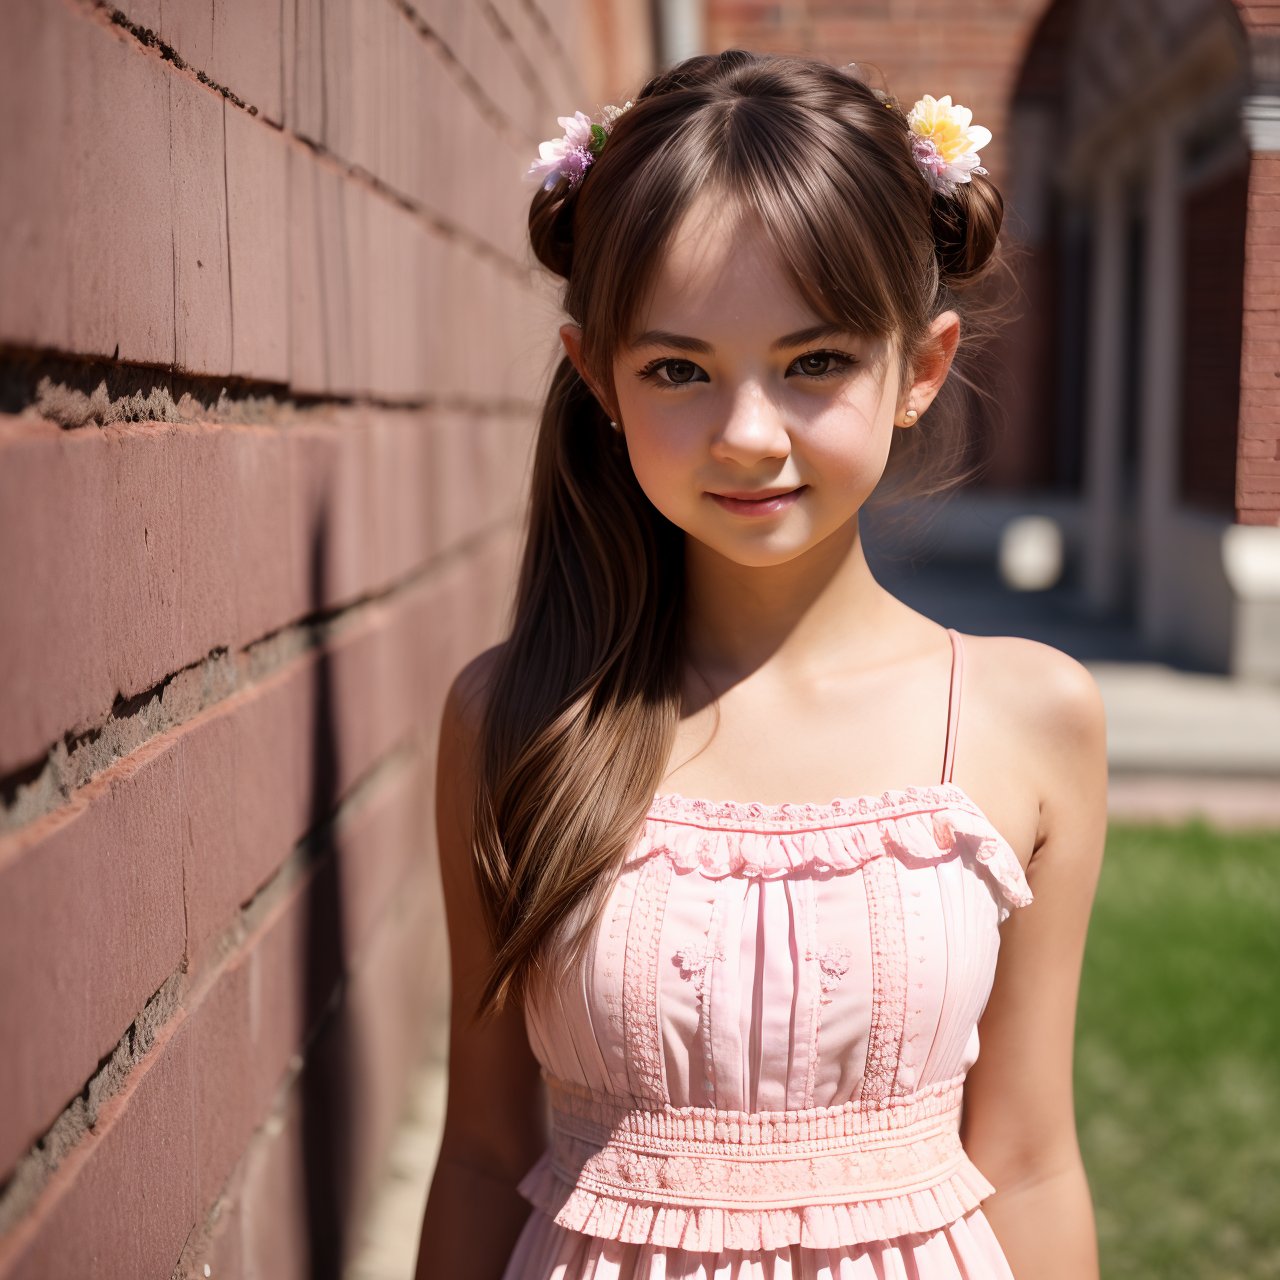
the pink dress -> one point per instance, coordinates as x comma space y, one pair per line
758, 1072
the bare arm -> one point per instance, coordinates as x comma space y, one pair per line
493, 1130
1019, 1116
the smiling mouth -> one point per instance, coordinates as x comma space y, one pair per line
759, 504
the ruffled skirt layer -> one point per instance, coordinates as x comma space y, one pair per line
966, 1249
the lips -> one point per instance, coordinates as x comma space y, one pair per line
759, 496
763, 502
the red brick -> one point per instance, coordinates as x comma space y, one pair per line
365, 77
1256, 449
188, 28
123, 1202
1265, 364
118, 583
91, 925
120, 233
308, 362
340, 1114
338, 31
34, 196
381, 844
332, 247
216, 880
261, 1008
444, 19
246, 55
342, 288
273, 1214
253, 541
281, 754
172, 540
427, 121
256, 229
431, 317
304, 72
202, 295
391, 258
143, 13
401, 474
55, 651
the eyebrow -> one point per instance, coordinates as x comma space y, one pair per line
664, 338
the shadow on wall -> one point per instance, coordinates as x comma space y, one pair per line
327, 1084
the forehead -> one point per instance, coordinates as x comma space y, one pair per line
721, 269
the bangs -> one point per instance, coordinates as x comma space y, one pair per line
805, 176
813, 188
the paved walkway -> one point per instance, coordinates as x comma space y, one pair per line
389, 1238
1182, 744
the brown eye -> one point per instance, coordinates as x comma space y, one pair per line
671, 372
823, 364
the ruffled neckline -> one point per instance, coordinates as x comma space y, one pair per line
916, 824
671, 806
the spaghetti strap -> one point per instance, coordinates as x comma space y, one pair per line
953, 703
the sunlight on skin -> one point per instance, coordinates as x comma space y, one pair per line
743, 416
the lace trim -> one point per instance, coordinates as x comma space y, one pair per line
641, 1024
916, 825
888, 979
708, 1179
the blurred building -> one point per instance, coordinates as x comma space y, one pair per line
1138, 145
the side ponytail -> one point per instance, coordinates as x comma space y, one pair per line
585, 693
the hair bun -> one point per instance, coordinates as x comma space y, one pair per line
551, 228
966, 227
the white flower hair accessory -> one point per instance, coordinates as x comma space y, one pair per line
571, 155
946, 142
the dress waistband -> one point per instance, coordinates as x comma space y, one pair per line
705, 1178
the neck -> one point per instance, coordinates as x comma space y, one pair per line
800, 618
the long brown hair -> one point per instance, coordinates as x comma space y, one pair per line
584, 697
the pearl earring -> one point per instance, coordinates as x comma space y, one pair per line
614, 425
911, 416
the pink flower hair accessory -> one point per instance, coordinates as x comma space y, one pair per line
571, 155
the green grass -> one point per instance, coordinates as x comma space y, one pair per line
1178, 1054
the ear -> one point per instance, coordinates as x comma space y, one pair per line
571, 336
934, 364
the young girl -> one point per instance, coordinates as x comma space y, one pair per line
730, 1025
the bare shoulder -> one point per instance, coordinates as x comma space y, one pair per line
1046, 710
1050, 694
468, 695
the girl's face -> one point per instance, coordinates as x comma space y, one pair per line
750, 423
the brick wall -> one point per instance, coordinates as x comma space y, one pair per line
1258, 460
270, 351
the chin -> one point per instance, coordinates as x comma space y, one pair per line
761, 553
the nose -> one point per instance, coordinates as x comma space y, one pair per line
753, 428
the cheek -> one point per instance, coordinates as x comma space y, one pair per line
663, 463
848, 444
